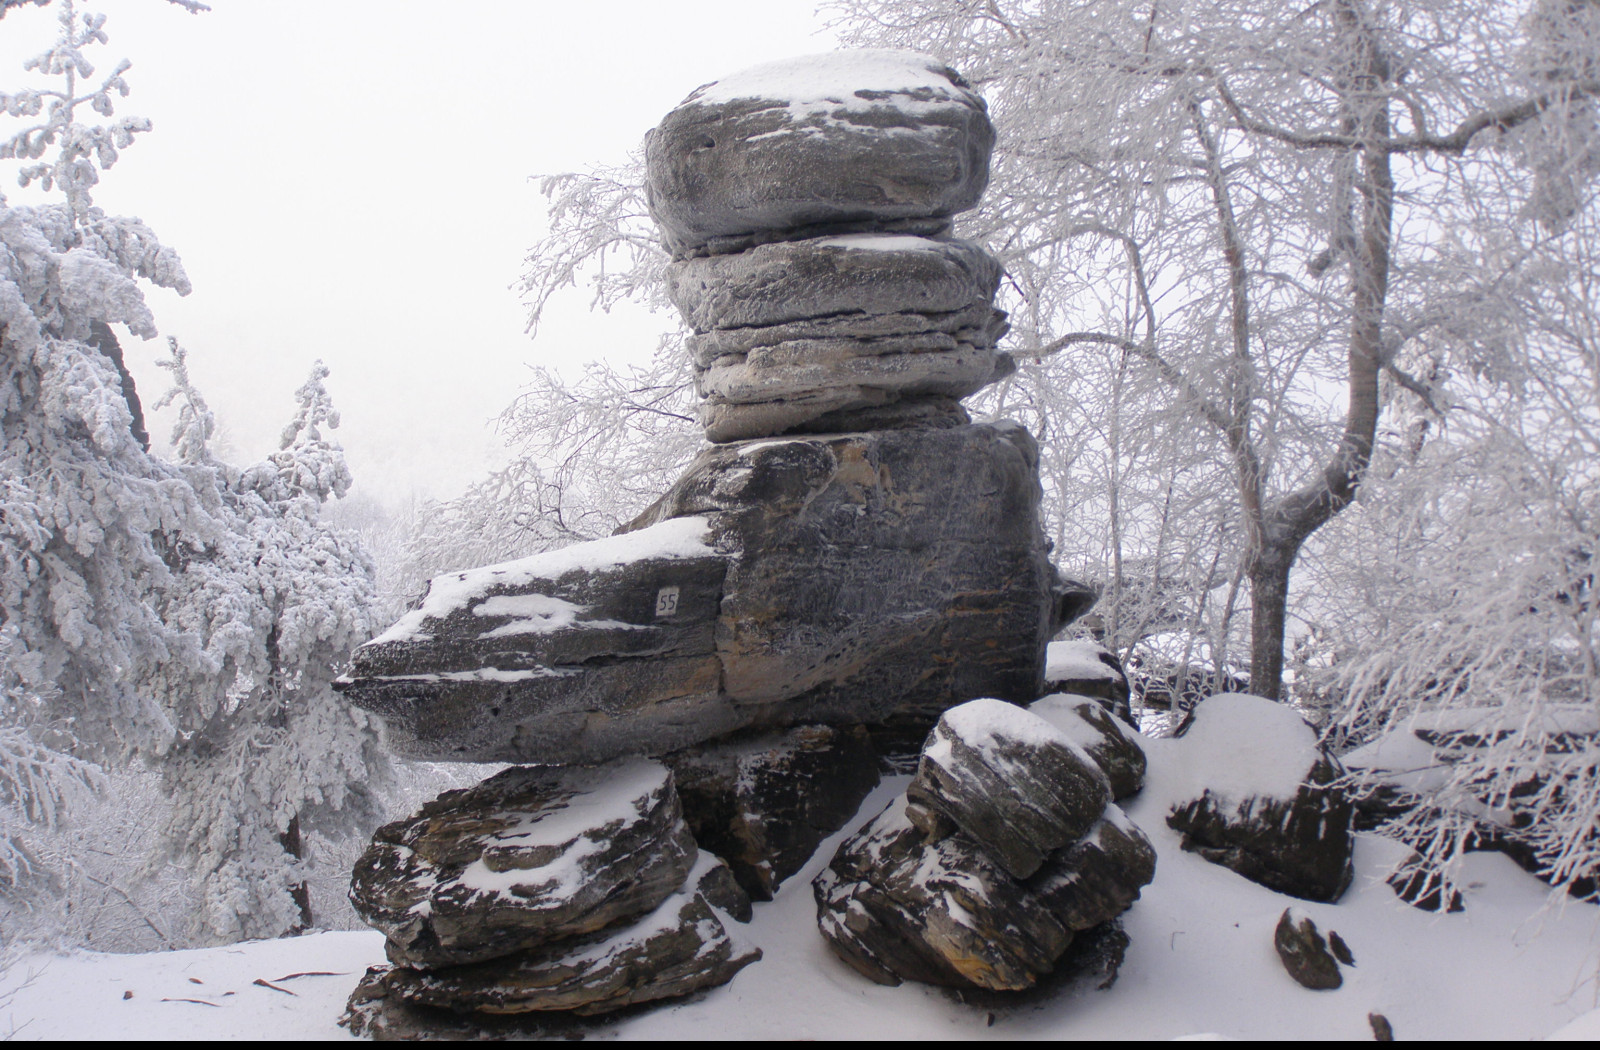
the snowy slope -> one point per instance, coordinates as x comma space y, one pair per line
1511, 966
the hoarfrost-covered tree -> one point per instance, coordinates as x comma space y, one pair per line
1261, 181
186, 614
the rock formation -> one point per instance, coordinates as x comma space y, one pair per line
872, 556
1263, 798
547, 889
1004, 850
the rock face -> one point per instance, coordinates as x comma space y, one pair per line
825, 143
1021, 788
1263, 799
836, 579
1113, 746
929, 892
763, 803
530, 856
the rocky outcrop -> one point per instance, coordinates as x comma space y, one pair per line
929, 892
1262, 798
1108, 740
529, 856
764, 802
840, 579
827, 143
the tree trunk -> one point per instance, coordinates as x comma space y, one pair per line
1269, 604
294, 845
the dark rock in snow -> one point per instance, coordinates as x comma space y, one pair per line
898, 908
1264, 800
1086, 668
1011, 781
1114, 747
1099, 877
839, 141
1304, 953
1382, 1030
682, 946
528, 857
763, 803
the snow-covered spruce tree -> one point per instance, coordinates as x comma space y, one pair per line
186, 614
266, 752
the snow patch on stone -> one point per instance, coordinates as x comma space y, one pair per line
1239, 747
1076, 659
831, 80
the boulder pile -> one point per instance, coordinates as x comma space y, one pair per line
1005, 850
850, 549
545, 889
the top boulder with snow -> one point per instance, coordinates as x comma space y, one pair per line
838, 142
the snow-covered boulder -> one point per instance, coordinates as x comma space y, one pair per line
1011, 781
529, 857
765, 802
822, 143
1110, 742
685, 944
896, 907
785, 382
1084, 667
1251, 789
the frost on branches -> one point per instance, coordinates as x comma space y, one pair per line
187, 614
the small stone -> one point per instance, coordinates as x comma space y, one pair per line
1382, 1030
1013, 782
1304, 953
530, 856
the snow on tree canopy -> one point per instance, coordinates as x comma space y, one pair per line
856, 81
671, 539
1239, 747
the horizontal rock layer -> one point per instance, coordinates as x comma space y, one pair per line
528, 857
841, 580
851, 139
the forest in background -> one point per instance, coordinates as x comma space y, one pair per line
1304, 304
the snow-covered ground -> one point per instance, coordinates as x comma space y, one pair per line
1512, 966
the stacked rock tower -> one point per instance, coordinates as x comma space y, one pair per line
851, 548
847, 559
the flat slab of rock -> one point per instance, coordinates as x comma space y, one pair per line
532, 855
1112, 744
1261, 797
847, 139
765, 802
1011, 781
577, 655
683, 945
1098, 877
865, 274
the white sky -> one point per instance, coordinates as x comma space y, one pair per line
349, 180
